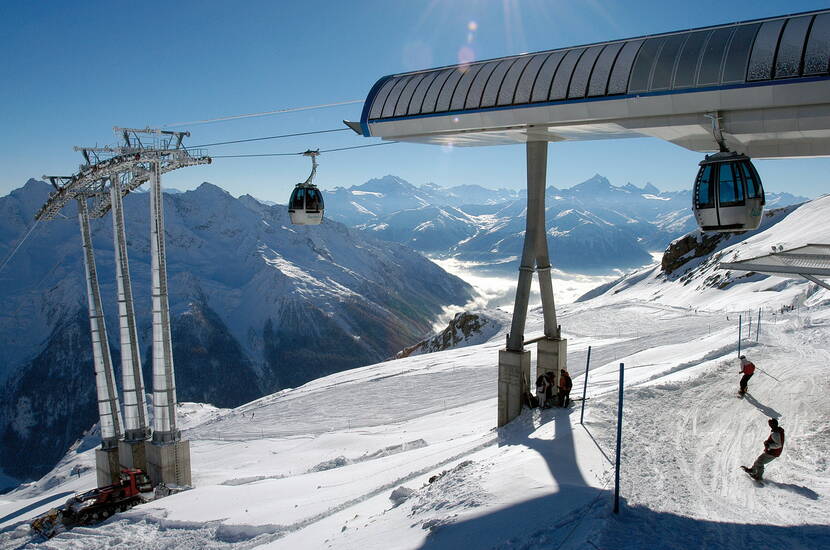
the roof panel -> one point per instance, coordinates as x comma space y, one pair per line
544, 77
689, 59
559, 88
477, 88
737, 56
641, 73
526, 82
447, 91
459, 97
402, 107
661, 78
380, 98
618, 82
711, 64
602, 69
491, 89
434, 89
791, 47
420, 92
394, 94
817, 54
582, 73
763, 51
511, 79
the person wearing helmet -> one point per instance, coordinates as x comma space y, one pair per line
772, 450
747, 369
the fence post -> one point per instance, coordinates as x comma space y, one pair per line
739, 335
758, 326
585, 385
619, 443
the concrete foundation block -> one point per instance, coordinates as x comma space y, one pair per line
133, 454
514, 380
107, 466
552, 356
169, 463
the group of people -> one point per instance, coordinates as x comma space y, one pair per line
545, 384
775, 442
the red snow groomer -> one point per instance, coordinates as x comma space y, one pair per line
95, 505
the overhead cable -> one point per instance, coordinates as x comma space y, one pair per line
292, 154
16, 248
268, 137
265, 113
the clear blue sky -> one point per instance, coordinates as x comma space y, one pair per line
72, 70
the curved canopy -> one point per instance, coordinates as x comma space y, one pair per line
660, 85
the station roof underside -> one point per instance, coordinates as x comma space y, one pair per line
661, 86
809, 261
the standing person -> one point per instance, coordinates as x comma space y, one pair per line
772, 450
565, 385
542, 390
551, 377
747, 369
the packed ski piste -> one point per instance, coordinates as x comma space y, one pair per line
404, 453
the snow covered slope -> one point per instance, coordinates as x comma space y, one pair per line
249, 294
404, 454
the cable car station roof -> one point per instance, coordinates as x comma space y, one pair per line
768, 80
809, 261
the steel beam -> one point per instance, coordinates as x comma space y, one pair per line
535, 251
136, 427
108, 406
164, 385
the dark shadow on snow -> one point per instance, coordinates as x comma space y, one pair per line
769, 412
640, 527
560, 510
793, 488
579, 516
35, 505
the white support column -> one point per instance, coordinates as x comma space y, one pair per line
164, 385
168, 457
514, 361
109, 411
136, 428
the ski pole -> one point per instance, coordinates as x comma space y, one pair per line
768, 374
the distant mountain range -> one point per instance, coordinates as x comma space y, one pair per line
257, 305
592, 227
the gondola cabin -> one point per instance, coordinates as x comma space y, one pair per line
728, 195
305, 207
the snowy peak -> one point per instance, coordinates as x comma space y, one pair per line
595, 184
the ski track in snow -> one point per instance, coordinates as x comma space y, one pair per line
314, 467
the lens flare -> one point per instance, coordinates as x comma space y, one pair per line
466, 55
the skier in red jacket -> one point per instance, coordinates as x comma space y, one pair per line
747, 369
772, 450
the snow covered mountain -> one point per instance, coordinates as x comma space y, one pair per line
594, 226
258, 305
404, 454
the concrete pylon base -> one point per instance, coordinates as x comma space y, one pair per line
169, 463
133, 454
107, 466
552, 355
514, 380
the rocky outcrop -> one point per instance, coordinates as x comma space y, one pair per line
465, 329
